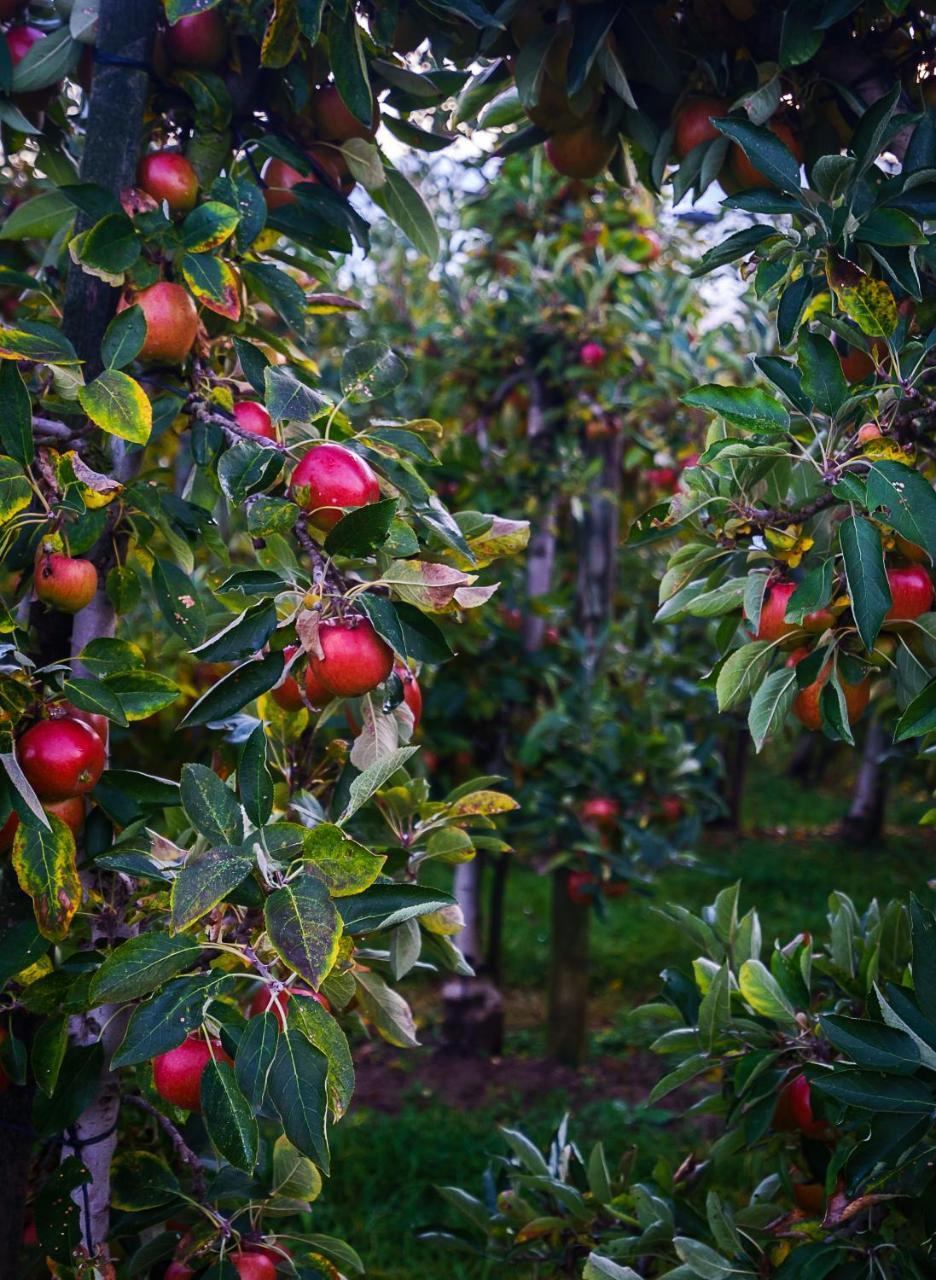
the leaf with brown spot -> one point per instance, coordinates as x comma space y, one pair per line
44, 862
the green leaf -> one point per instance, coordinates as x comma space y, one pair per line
386, 1010
823, 380
124, 337
48, 1052
254, 780
865, 576
141, 964
289, 399
741, 406
362, 530
383, 906
179, 601
247, 468
919, 716
372, 779
346, 866
370, 371
297, 1088
403, 204
763, 992
46, 62
868, 1092
142, 693
743, 670
765, 151
16, 434
210, 805
869, 1044
770, 705
242, 636
164, 1020
117, 404
304, 927
95, 697
234, 691
41, 218
15, 490
323, 1031
206, 880
227, 1116
108, 250
256, 1050
44, 862
904, 500
715, 1009
278, 290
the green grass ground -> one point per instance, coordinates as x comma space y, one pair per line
386, 1165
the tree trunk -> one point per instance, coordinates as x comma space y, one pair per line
597, 544
863, 824
568, 974
497, 892
112, 146
736, 756
468, 896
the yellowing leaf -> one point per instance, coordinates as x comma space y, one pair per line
96, 490
117, 404
15, 490
424, 584
281, 38
484, 802
214, 283
44, 862
867, 301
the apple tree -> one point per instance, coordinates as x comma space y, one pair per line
216, 534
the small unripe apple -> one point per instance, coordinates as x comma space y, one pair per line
330, 477
177, 1073
263, 1001
199, 41
911, 592
252, 1265
61, 758
335, 122
64, 582
600, 811
868, 431
253, 417
171, 322
356, 658
592, 354
168, 176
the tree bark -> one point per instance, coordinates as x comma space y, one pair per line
863, 824
467, 891
497, 892
112, 146
597, 545
568, 974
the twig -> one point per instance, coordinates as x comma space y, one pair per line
183, 1151
198, 408
765, 516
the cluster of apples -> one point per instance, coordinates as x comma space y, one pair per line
62, 758
693, 125
911, 596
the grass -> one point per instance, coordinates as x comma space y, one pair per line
387, 1166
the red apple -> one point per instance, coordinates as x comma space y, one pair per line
177, 1270
592, 354
177, 1074
61, 758
772, 626
356, 658
335, 122
171, 322
199, 41
330, 477
263, 1000
251, 416
64, 582
168, 176
600, 811
253, 1265
579, 886
806, 703
911, 592
794, 1109
71, 812
19, 41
